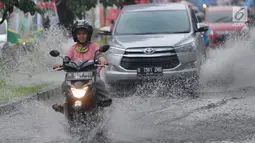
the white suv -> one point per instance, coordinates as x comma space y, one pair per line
154, 40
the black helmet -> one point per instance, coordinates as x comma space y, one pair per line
82, 24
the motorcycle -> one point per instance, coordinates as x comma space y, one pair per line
79, 92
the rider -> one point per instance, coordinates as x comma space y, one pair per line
85, 49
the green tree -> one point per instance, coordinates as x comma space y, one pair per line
23, 5
67, 9
129, 2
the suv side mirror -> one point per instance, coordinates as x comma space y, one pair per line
202, 27
105, 30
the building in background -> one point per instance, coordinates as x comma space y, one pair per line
21, 25
113, 12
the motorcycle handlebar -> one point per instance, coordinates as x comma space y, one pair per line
57, 66
60, 67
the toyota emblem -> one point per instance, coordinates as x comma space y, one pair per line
148, 51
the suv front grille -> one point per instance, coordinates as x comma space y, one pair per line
135, 59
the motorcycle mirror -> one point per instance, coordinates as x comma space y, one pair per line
104, 48
54, 53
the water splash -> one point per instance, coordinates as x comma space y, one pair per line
21, 67
130, 113
230, 66
38, 60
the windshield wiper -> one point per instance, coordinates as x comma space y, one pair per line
143, 33
223, 19
161, 33
181, 32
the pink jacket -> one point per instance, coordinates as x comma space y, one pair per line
89, 55
73, 54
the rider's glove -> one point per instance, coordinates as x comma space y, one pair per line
57, 66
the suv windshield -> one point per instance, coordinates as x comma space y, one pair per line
219, 16
153, 22
3, 28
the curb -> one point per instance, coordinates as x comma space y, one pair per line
43, 94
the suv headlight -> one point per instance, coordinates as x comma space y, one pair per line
116, 50
190, 47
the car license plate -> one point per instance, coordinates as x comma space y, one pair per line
79, 76
149, 71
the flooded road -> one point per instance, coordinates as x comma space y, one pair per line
216, 115
211, 117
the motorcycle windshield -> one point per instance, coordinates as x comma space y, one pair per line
80, 62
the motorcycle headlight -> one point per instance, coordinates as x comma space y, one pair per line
79, 93
190, 47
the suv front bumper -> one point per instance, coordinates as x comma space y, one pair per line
112, 77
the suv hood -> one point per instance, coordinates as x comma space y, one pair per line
226, 26
149, 40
